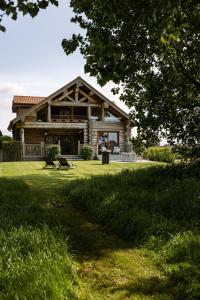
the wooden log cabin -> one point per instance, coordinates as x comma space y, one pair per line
74, 115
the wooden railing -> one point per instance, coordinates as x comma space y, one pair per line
66, 118
31, 150
36, 150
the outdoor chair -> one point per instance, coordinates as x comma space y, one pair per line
49, 163
63, 163
116, 150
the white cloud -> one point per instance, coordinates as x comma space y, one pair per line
10, 88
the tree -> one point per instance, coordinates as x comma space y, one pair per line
12, 8
153, 51
1, 133
150, 48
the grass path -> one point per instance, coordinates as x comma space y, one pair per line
109, 268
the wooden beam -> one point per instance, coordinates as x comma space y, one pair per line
83, 99
89, 112
86, 95
70, 98
103, 112
22, 135
66, 103
65, 94
76, 92
49, 112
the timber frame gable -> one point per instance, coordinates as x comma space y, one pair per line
63, 96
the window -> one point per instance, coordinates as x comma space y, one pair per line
108, 140
109, 117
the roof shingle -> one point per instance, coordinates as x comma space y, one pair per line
27, 99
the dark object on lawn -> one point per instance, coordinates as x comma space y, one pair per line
63, 163
105, 157
50, 163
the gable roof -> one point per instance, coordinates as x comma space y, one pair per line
78, 80
27, 99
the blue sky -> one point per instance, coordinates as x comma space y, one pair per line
32, 61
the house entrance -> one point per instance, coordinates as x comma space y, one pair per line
69, 145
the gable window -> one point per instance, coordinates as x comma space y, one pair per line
109, 117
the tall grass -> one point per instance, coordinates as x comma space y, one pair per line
35, 264
158, 207
34, 259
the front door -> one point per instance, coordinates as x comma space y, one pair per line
69, 145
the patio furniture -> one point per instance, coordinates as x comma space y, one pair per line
49, 163
116, 150
63, 163
103, 149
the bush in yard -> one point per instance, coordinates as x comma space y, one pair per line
87, 152
4, 138
54, 152
12, 150
163, 154
187, 153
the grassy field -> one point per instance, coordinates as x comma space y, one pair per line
56, 241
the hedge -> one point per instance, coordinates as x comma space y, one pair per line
87, 152
163, 154
4, 138
12, 151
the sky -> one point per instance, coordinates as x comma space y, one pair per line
32, 61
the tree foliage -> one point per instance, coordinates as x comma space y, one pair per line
152, 48
12, 8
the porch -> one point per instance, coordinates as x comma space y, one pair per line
39, 151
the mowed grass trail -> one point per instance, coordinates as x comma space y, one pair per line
47, 233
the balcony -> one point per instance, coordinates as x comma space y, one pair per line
68, 119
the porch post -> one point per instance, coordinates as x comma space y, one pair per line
102, 112
79, 147
42, 149
49, 112
128, 136
22, 141
85, 136
22, 135
89, 112
89, 132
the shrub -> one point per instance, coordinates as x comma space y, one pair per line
4, 138
187, 153
87, 152
12, 150
54, 152
163, 154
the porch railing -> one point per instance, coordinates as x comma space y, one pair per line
40, 150
33, 150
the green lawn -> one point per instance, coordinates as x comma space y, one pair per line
39, 224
